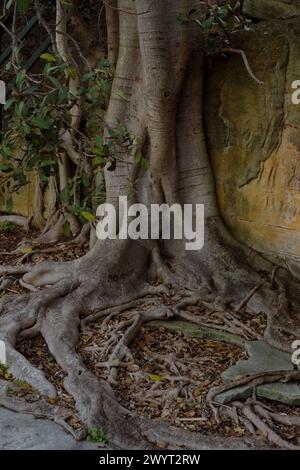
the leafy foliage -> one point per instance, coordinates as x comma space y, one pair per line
97, 435
218, 20
4, 372
8, 227
38, 114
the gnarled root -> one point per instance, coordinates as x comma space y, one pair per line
15, 219
23, 314
254, 415
121, 349
55, 313
85, 288
42, 409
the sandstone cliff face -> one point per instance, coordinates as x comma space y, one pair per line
254, 138
22, 200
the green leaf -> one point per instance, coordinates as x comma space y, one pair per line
5, 151
67, 229
71, 72
97, 161
223, 11
43, 176
9, 103
48, 57
85, 180
26, 250
4, 167
46, 163
207, 24
88, 216
99, 141
20, 79
156, 378
144, 164
26, 128
141, 160
138, 156
100, 151
63, 94
30, 90
182, 18
87, 76
104, 63
23, 5
112, 133
9, 4
55, 82
42, 123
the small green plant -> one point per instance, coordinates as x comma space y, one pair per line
18, 388
8, 227
4, 372
3, 368
23, 384
11, 391
97, 435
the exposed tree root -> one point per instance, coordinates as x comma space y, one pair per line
256, 417
42, 409
6, 283
73, 293
255, 380
54, 313
131, 302
15, 219
27, 286
120, 351
84, 234
21, 314
8, 270
253, 414
230, 323
54, 234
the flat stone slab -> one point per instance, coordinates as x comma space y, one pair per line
197, 331
262, 358
23, 432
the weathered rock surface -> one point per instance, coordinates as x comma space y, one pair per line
197, 331
271, 9
262, 358
254, 137
23, 432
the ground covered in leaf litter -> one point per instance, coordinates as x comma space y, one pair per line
166, 375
